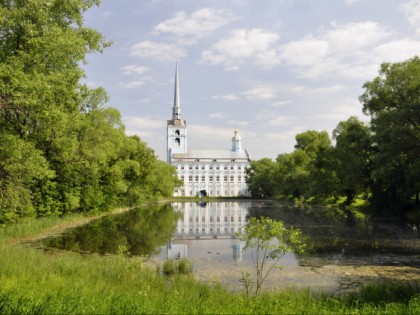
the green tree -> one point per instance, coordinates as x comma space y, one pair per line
268, 240
77, 155
292, 173
21, 167
260, 178
353, 157
393, 101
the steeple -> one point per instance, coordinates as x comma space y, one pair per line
176, 110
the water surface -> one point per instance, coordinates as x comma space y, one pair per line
342, 251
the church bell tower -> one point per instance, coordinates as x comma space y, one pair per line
176, 129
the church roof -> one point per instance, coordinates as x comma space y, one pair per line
212, 154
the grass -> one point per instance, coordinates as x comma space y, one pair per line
36, 282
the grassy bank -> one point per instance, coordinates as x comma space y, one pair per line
33, 281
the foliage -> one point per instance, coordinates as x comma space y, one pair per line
393, 102
377, 160
268, 241
72, 153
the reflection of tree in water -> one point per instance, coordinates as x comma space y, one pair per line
139, 232
334, 231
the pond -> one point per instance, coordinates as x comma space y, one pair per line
342, 251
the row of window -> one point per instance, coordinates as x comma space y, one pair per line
226, 219
211, 193
217, 168
211, 230
211, 178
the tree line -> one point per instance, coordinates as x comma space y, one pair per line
379, 161
61, 149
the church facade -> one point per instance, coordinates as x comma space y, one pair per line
204, 172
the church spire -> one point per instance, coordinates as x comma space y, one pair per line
176, 110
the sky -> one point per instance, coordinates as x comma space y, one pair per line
269, 68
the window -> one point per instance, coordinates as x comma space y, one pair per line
217, 168
177, 142
239, 167
196, 178
182, 177
196, 167
203, 178
225, 178
190, 167
211, 168
177, 133
182, 167
239, 178
203, 168
231, 167
210, 178
190, 178
225, 168
232, 219
232, 179
217, 178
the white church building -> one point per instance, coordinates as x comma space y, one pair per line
205, 172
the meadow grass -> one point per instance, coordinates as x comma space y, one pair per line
34, 281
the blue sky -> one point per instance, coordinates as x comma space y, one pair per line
269, 68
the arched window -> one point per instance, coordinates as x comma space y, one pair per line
177, 132
177, 142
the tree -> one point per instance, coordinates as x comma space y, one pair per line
71, 146
260, 178
393, 101
353, 157
268, 240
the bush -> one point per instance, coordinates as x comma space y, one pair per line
172, 266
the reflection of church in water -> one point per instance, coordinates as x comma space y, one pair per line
210, 220
207, 221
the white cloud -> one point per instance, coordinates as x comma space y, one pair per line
274, 119
350, 37
305, 52
227, 97
132, 84
218, 115
396, 51
280, 104
342, 111
240, 123
198, 24
412, 11
282, 120
242, 44
136, 125
350, 1
261, 92
334, 50
159, 51
329, 89
134, 69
